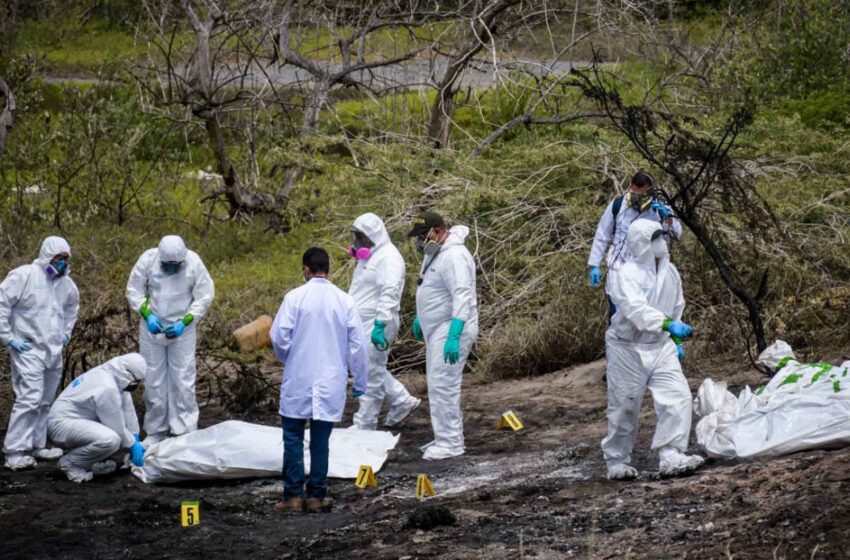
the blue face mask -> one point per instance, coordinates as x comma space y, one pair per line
57, 269
171, 267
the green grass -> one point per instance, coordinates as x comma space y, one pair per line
69, 48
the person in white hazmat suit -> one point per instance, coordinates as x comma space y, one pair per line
447, 320
94, 417
172, 291
39, 304
376, 287
643, 347
637, 204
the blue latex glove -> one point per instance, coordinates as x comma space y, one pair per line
19, 346
678, 329
154, 323
451, 351
595, 277
137, 454
357, 394
681, 352
65, 339
175, 329
663, 210
378, 337
417, 330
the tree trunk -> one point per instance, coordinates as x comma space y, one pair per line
7, 117
318, 99
749, 300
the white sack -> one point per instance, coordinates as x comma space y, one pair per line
804, 406
236, 449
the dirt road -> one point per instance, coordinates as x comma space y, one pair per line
534, 494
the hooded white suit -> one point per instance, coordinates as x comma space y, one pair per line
641, 354
376, 287
94, 416
170, 382
447, 291
41, 310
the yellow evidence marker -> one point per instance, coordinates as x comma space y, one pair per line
423, 487
366, 477
190, 514
509, 419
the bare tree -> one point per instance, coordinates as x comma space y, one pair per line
7, 116
348, 61
478, 23
706, 182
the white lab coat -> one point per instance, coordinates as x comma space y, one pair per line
42, 311
170, 383
447, 291
318, 336
94, 416
608, 237
377, 287
640, 354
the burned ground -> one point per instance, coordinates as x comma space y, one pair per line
536, 493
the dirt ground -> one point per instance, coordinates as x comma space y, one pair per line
533, 494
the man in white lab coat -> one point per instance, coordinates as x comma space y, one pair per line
318, 336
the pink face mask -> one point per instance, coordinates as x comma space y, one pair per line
360, 254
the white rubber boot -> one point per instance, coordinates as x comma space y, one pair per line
621, 471
397, 415
673, 462
47, 453
19, 461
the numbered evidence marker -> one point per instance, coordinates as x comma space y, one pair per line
190, 514
366, 477
423, 487
509, 419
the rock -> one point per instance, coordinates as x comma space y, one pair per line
427, 518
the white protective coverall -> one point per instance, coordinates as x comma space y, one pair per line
94, 416
613, 236
376, 287
170, 382
640, 353
447, 291
318, 336
42, 311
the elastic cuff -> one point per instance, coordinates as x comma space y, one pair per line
666, 324
187, 320
144, 310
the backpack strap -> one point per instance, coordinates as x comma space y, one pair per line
615, 209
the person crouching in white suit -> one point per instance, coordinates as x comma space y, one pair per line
94, 417
643, 347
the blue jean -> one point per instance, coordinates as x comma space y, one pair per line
293, 457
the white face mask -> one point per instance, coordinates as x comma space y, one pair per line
659, 248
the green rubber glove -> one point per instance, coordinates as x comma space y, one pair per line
451, 351
378, 337
417, 330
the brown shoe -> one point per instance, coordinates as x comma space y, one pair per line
292, 505
315, 505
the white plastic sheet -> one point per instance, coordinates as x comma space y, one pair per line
804, 406
236, 449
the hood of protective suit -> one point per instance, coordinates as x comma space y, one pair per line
172, 249
773, 354
51, 247
373, 227
640, 240
126, 369
457, 235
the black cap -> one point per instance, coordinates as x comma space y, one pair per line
425, 222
